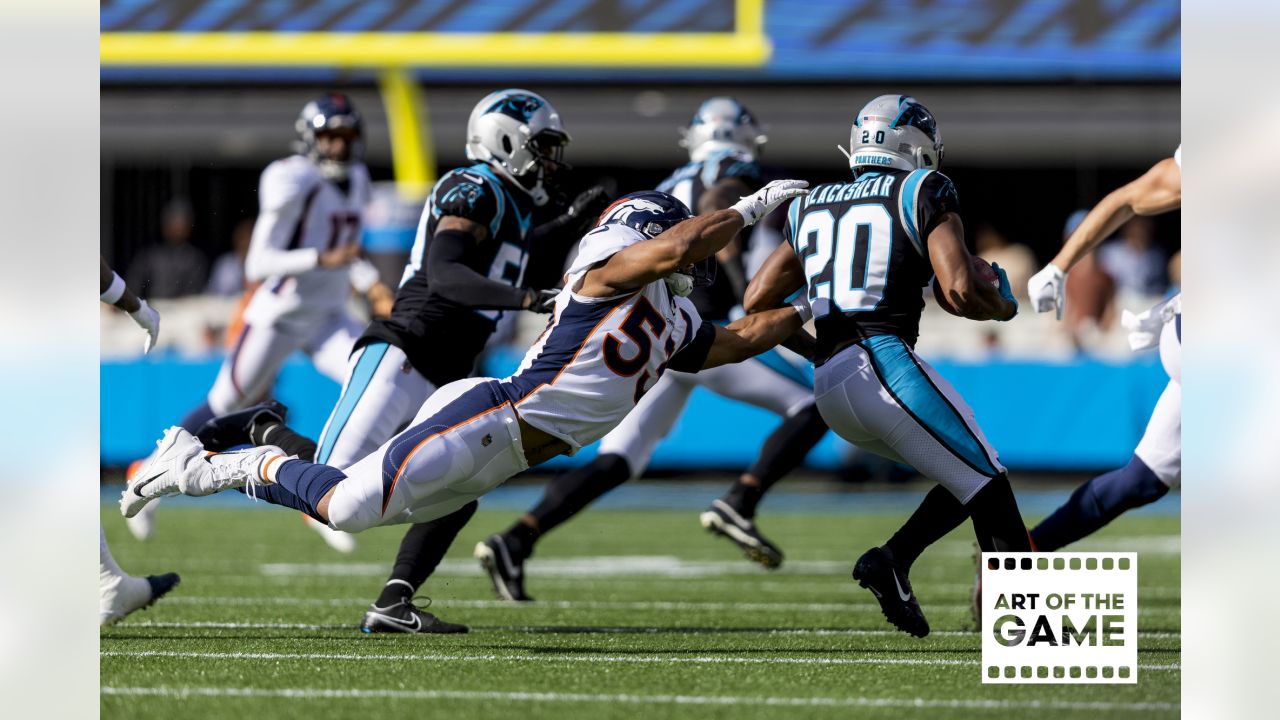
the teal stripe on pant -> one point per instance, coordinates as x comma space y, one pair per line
907, 381
370, 357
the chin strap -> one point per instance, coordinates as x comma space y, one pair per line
680, 284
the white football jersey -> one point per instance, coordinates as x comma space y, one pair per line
302, 214
598, 356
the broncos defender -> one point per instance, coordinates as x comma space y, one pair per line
723, 141
120, 593
618, 324
305, 250
861, 251
1156, 464
467, 267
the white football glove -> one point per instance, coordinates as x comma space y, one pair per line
148, 319
763, 201
1046, 290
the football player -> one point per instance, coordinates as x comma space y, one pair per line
305, 250
723, 141
619, 323
1156, 464
860, 251
120, 593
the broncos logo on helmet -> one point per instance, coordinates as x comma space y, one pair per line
652, 213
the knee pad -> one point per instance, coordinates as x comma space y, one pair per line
351, 514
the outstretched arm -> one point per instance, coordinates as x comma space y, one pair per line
113, 291
751, 335
449, 275
1159, 190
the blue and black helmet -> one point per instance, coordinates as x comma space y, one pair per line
329, 112
652, 213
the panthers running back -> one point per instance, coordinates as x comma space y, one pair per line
723, 141
862, 251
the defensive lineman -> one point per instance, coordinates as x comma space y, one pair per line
862, 250
120, 593
618, 324
306, 252
1156, 464
723, 141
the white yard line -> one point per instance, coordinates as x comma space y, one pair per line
633, 698
540, 657
852, 632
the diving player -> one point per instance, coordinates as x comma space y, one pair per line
467, 267
1156, 464
618, 324
861, 250
306, 251
120, 593
723, 140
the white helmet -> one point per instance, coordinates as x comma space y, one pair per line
722, 123
894, 131
519, 134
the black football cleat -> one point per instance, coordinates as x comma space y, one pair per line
722, 519
161, 585
504, 567
405, 617
877, 572
227, 431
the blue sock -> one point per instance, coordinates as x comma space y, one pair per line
1097, 503
301, 485
198, 416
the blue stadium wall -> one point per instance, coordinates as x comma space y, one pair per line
1080, 415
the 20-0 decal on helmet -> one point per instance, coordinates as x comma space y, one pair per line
895, 131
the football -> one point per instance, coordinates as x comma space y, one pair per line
984, 270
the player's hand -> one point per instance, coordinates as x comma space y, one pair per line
339, 256
543, 301
763, 201
148, 319
1046, 290
381, 299
1006, 292
588, 204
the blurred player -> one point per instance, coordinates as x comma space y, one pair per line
1156, 464
723, 141
306, 252
467, 267
120, 593
619, 323
862, 250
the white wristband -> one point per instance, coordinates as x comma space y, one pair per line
801, 304
115, 292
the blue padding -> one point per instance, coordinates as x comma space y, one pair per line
1079, 415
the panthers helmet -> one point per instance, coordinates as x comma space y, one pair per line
895, 131
519, 133
652, 213
331, 111
722, 124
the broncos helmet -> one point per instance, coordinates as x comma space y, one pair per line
652, 213
331, 111
519, 133
894, 131
722, 124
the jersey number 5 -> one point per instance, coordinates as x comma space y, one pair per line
846, 261
634, 328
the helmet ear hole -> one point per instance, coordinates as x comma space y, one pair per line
506, 144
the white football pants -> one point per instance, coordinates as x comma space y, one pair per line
1161, 444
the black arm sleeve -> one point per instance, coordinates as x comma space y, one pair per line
450, 276
693, 356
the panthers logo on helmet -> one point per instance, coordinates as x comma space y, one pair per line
519, 107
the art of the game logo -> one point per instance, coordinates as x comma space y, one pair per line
1059, 618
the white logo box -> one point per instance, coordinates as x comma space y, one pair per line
1054, 618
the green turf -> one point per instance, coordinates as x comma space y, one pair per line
274, 611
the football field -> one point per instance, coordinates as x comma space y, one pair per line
639, 613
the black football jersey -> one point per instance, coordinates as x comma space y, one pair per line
687, 184
864, 248
440, 337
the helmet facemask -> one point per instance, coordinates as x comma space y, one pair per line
519, 134
722, 124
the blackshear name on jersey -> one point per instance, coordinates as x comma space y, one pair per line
688, 184
599, 356
421, 319
863, 245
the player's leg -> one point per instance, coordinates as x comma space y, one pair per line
623, 454
1154, 468
421, 550
770, 382
120, 593
249, 371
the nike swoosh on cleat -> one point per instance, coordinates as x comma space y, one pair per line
137, 488
415, 626
905, 596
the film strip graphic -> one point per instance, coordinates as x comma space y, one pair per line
1069, 618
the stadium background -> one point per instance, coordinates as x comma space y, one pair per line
1044, 106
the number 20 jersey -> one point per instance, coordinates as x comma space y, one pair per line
864, 248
